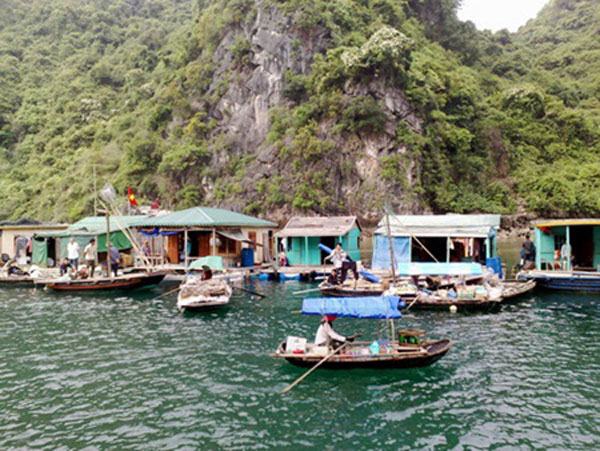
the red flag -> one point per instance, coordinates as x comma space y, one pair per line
131, 197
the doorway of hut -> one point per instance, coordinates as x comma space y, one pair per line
202, 244
51, 254
436, 247
330, 242
582, 246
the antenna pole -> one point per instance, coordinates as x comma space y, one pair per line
95, 191
389, 236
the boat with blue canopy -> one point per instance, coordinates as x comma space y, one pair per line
404, 348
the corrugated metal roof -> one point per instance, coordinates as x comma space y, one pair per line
318, 226
566, 222
94, 225
440, 225
204, 217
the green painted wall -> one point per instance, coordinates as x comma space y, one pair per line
299, 254
597, 247
544, 245
352, 246
294, 252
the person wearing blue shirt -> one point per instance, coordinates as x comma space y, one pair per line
115, 257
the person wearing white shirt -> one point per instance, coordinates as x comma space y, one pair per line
89, 255
337, 256
326, 336
73, 253
565, 256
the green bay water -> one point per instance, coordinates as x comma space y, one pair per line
130, 372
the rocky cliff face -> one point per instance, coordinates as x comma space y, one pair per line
273, 47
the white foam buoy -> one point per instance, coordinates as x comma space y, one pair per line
453, 309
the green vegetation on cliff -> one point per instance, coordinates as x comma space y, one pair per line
298, 105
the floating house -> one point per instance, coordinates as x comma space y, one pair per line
582, 235
237, 238
51, 247
301, 236
436, 238
16, 238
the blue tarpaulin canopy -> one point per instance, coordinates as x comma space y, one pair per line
381, 252
373, 307
439, 269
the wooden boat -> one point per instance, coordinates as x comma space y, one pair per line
564, 280
406, 348
123, 282
373, 289
196, 294
461, 304
512, 288
354, 356
404, 289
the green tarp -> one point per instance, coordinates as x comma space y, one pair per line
215, 263
117, 239
39, 255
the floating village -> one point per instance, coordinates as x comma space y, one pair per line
202, 254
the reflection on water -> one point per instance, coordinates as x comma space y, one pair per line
122, 372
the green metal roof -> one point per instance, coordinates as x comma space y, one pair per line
94, 225
204, 217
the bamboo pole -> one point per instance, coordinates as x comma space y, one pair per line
185, 252
392, 257
425, 248
108, 262
167, 293
305, 375
306, 291
214, 242
128, 235
248, 291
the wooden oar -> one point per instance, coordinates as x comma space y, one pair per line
411, 304
323, 360
306, 291
250, 291
166, 294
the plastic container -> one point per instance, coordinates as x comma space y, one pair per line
374, 348
495, 264
247, 257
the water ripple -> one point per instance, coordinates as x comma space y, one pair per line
128, 372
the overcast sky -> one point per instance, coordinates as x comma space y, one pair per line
498, 14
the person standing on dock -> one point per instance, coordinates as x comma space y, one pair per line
337, 256
73, 253
565, 256
146, 250
89, 255
114, 257
527, 254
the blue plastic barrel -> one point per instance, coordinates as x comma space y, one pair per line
247, 257
496, 264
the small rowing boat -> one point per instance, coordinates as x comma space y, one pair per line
196, 294
360, 355
512, 288
405, 348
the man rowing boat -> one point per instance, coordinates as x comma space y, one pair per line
326, 336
